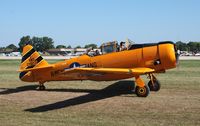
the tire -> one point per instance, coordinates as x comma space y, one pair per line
155, 86
42, 87
142, 91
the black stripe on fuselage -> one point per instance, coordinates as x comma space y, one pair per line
137, 46
28, 54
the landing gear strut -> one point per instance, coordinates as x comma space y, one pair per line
141, 89
41, 86
153, 84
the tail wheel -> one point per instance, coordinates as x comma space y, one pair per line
142, 91
155, 86
42, 87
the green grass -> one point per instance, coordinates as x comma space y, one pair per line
100, 103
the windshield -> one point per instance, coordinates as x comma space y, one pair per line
108, 49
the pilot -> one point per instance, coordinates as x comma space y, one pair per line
122, 46
97, 52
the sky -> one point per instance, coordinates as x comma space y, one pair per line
80, 22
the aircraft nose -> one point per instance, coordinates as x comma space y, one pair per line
168, 55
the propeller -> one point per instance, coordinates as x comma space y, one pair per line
177, 55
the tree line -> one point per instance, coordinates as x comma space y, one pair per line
190, 46
41, 44
44, 43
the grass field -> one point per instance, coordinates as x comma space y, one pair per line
100, 103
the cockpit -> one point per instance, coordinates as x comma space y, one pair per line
110, 47
113, 46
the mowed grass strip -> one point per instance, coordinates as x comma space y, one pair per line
79, 103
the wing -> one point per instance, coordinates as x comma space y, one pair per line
136, 71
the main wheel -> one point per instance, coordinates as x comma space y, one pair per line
155, 86
142, 91
42, 87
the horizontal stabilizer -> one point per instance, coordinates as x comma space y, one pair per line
36, 68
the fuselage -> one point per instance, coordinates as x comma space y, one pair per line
158, 56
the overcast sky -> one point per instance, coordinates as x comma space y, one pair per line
78, 22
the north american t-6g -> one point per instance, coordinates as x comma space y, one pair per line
113, 62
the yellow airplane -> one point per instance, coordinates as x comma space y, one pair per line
112, 64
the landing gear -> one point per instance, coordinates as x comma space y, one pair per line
141, 89
153, 84
41, 86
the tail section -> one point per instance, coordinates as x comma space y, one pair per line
30, 59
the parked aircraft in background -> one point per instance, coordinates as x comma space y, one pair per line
112, 63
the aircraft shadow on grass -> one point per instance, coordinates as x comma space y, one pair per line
4, 91
116, 89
